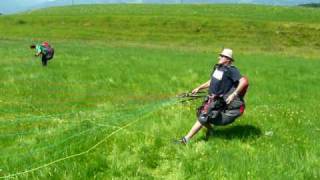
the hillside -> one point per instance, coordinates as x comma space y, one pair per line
247, 28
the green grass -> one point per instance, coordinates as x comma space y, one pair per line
107, 98
246, 28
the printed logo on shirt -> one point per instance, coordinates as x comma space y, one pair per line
218, 74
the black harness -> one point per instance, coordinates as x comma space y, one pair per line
49, 52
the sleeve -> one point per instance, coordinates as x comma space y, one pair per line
235, 74
38, 49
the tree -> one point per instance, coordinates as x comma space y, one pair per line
311, 5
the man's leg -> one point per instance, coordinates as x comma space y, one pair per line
202, 121
194, 130
208, 126
44, 60
209, 130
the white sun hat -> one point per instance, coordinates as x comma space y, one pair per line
228, 53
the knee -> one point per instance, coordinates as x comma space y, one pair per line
203, 119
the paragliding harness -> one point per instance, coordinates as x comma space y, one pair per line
213, 105
49, 51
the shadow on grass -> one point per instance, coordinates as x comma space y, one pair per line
243, 132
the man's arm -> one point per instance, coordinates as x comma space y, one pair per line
242, 83
202, 86
38, 50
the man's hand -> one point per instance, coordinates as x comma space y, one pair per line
195, 91
202, 86
38, 54
231, 97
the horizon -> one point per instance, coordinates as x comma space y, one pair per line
16, 6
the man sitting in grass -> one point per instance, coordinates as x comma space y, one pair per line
44, 50
224, 102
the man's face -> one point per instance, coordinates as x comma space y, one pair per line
223, 60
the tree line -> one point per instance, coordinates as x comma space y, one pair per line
311, 5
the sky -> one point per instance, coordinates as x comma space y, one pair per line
9, 6
13, 6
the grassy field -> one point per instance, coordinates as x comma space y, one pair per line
105, 106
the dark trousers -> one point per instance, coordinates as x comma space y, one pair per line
46, 58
